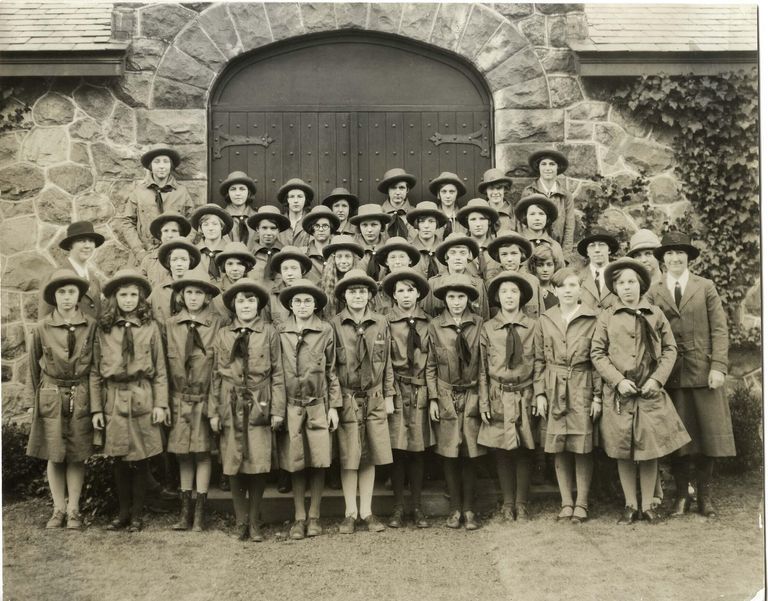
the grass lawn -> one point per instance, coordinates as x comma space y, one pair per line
679, 560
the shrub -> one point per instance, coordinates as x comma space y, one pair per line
99, 495
22, 475
747, 417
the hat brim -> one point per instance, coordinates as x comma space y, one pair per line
286, 296
164, 253
462, 215
558, 157
209, 287
413, 254
149, 156
309, 193
249, 183
692, 252
521, 241
549, 207
632, 252
49, 290
384, 184
526, 291
353, 248
389, 283
66, 243
383, 218
348, 282
225, 217
353, 201
155, 228
281, 221
247, 259
417, 214
613, 244
634, 265
436, 184
443, 248
282, 256
309, 221
114, 284
483, 186
245, 285
441, 291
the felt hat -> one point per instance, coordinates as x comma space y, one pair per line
597, 234
407, 273
212, 209
159, 150
303, 286
547, 153
627, 263
235, 250
293, 184
493, 176
392, 176
456, 239
426, 208
156, 225
126, 277
355, 277
506, 238
477, 205
80, 229
526, 291
320, 212
459, 281
343, 242
164, 252
342, 194
446, 177
676, 241
642, 240
269, 212
245, 285
63, 277
290, 252
546, 205
397, 243
369, 212
197, 277
237, 177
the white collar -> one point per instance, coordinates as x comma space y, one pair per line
683, 279
548, 191
81, 271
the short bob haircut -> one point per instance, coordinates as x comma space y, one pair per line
562, 274
542, 253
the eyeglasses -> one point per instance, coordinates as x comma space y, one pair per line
321, 226
306, 302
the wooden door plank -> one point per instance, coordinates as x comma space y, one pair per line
238, 126
430, 161
447, 152
344, 158
412, 151
257, 154
377, 148
308, 166
291, 166
466, 153
362, 185
327, 152
273, 163
218, 167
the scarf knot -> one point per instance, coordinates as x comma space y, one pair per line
158, 194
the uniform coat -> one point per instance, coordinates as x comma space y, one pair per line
564, 226
507, 219
315, 252
237, 218
90, 303
208, 253
434, 307
275, 312
61, 415
295, 236
153, 270
589, 295
534, 307
263, 255
633, 427
160, 301
544, 238
400, 213
370, 252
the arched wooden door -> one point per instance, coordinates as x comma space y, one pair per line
340, 110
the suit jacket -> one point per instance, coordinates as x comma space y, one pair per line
90, 304
589, 295
700, 328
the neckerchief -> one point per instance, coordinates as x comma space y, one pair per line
213, 269
372, 269
193, 340
461, 347
127, 344
513, 347
397, 227
242, 228
365, 368
432, 267
413, 341
240, 349
158, 194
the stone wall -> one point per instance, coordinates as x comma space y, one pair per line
76, 152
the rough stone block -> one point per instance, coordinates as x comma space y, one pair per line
534, 28
609, 134
351, 15
121, 126
482, 23
513, 158
198, 190
646, 156
220, 28
417, 19
193, 42
664, 189
532, 93
30, 303
584, 194
7, 374
9, 147
171, 126
513, 10
163, 21
533, 125
582, 159
85, 129
385, 16
517, 68
564, 91
95, 101
648, 217
144, 54
588, 111
45, 146
53, 109
16, 208
558, 9
133, 88
64, 85
93, 207
54, 206
556, 30
284, 19
628, 123
556, 60
110, 257
615, 220
20, 180
10, 307
170, 94
449, 23
317, 16
78, 153
116, 162
500, 46
17, 235
579, 130
194, 161
25, 271
71, 178
180, 67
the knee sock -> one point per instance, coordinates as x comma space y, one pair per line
257, 483
628, 478
349, 488
584, 469
186, 471
299, 483
468, 479
505, 465
649, 471
399, 459
138, 487
704, 468
416, 477
365, 480
564, 472
57, 482
238, 488
524, 458
202, 472
316, 486
453, 481
123, 485
75, 477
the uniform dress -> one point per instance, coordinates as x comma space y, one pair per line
127, 388
636, 344
275, 313
218, 301
506, 384
164, 301
452, 226
409, 426
261, 269
190, 371
368, 262
434, 306
408, 230
208, 254
563, 372
295, 236
506, 213
246, 390
90, 303
61, 419
365, 375
534, 307
454, 385
311, 388
564, 226
428, 264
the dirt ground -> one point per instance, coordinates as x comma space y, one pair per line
679, 560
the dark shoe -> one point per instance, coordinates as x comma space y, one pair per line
185, 513
566, 513
297, 531
224, 483
347, 526
628, 516
579, 514
396, 521
284, 484
374, 525
135, 525
256, 534
521, 512
680, 506
118, 523
470, 523
56, 520
243, 532
313, 527
652, 517
507, 513
199, 523
167, 494
454, 520
706, 507
419, 518
74, 520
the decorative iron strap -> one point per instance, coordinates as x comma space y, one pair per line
222, 141
477, 138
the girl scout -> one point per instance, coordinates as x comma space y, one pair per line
543, 264
213, 223
426, 218
344, 205
341, 256
480, 221
447, 188
535, 215
60, 361
508, 252
235, 262
268, 224
288, 266
313, 400
451, 374
396, 184
295, 196
371, 221
164, 228
129, 390
321, 223
237, 193
495, 185
177, 256
395, 254
246, 398
365, 375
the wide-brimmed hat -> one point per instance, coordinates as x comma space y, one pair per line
597, 234
627, 263
493, 176
535, 157
506, 238
156, 225
526, 290
80, 229
235, 250
342, 194
355, 277
212, 209
197, 277
293, 184
642, 240
392, 176
459, 281
426, 208
320, 212
456, 239
303, 286
446, 177
369, 212
397, 243
164, 252
126, 277
245, 285
237, 177
269, 213
158, 150
343, 242
546, 205
63, 277
477, 205
290, 252
389, 283
676, 241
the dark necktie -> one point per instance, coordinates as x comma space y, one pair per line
481, 262
365, 366
448, 228
127, 344
372, 269
268, 266
678, 294
432, 267
240, 349
70, 341
648, 335
597, 284
514, 346
462, 349
413, 341
213, 269
397, 227
300, 341
242, 228
158, 194
193, 340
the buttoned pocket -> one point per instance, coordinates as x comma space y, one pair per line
260, 408
317, 418
49, 403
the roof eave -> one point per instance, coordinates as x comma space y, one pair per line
604, 63
101, 62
